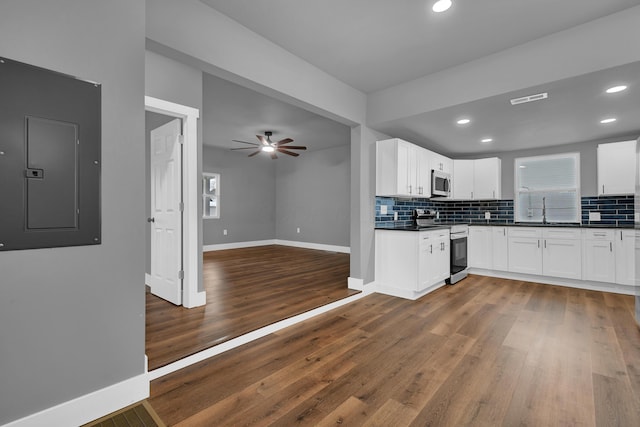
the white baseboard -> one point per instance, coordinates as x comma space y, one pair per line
237, 245
91, 406
558, 281
406, 293
355, 284
318, 246
307, 245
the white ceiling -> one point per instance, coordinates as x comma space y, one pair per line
375, 44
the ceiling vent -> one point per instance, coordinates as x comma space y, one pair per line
530, 98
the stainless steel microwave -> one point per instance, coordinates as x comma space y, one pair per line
440, 184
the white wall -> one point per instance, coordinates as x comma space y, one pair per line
72, 319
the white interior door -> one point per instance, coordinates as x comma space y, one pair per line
166, 214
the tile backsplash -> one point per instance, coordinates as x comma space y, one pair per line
614, 210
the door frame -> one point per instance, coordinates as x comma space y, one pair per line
191, 296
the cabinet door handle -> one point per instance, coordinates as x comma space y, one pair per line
621, 235
430, 249
472, 194
610, 247
504, 231
545, 244
602, 188
538, 243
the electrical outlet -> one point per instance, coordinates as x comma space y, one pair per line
298, 230
395, 216
594, 216
487, 215
224, 231
383, 209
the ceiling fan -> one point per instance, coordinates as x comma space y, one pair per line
270, 147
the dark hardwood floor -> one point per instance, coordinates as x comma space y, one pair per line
246, 289
485, 352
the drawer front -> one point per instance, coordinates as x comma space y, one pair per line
525, 232
599, 234
562, 233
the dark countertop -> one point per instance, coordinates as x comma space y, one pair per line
504, 224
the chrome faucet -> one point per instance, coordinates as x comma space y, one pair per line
544, 210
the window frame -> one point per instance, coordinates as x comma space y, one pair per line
206, 176
516, 192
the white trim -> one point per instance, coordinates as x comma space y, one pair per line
318, 246
91, 406
251, 336
237, 245
355, 284
558, 281
191, 296
249, 244
406, 293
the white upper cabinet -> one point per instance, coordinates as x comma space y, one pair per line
477, 179
402, 169
617, 168
487, 178
440, 163
462, 179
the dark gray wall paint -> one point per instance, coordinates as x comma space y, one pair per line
73, 318
312, 193
247, 197
173, 81
588, 163
151, 122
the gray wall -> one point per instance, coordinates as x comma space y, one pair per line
247, 197
588, 163
173, 81
72, 319
312, 192
151, 122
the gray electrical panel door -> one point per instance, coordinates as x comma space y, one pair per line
50, 141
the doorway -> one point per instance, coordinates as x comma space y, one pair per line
190, 294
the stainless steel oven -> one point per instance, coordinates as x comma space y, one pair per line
440, 184
459, 266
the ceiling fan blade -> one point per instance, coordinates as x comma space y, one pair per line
254, 153
245, 142
262, 139
284, 141
291, 153
273, 155
296, 147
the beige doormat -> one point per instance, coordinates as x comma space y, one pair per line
139, 414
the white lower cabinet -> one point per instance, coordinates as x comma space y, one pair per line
625, 252
411, 263
499, 248
599, 262
525, 250
562, 253
479, 247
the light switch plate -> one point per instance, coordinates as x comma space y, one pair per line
487, 215
383, 209
594, 216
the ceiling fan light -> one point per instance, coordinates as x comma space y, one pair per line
268, 149
441, 6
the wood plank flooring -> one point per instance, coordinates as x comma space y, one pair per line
246, 289
485, 352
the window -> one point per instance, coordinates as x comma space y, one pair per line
211, 195
547, 188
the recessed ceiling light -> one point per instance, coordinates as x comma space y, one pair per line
609, 120
463, 121
441, 6
616, 89
486, 140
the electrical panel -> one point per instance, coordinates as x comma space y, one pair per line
50, 158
